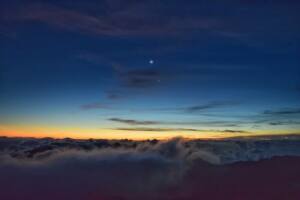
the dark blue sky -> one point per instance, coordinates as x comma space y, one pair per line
227, 67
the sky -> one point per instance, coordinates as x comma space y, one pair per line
149, 69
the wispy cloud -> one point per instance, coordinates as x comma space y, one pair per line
201, 107
113, 95
140, 78
155, 129
211, 105
131, 20
232, 131
179, 129
286, 111
148, 122
187, 109
95, 105
133, 122
289, 122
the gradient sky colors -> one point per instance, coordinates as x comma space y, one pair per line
149, 69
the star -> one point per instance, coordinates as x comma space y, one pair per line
151, 62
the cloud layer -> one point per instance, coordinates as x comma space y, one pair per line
123, 169
177, 149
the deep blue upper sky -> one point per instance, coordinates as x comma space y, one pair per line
137, 65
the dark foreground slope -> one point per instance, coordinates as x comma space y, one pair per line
273, 179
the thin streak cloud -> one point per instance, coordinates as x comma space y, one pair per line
287, 111
133, 122
114, 23
149, 122
179, 129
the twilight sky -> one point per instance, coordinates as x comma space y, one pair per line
149, 69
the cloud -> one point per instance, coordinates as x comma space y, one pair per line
127, 170
80, 175
287, 111
200, 108
211, 105
124, 169
157, 129
234, 131
133, 122
176, 149
141, 78
187, 109
180, 129
138, 78
148, 122
136, 19
114, 95
92, 106
279, 123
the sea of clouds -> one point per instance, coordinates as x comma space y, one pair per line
218, 152
111, 169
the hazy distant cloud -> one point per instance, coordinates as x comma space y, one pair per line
274, 117
156, 129
211, 105
92, 106
149, 122
279, 123
287, 111
180, 129
114, 95
133, 122
202, 107
141, 78
187, 109
137, 78
234, 131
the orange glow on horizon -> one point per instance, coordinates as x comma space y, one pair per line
102, 133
